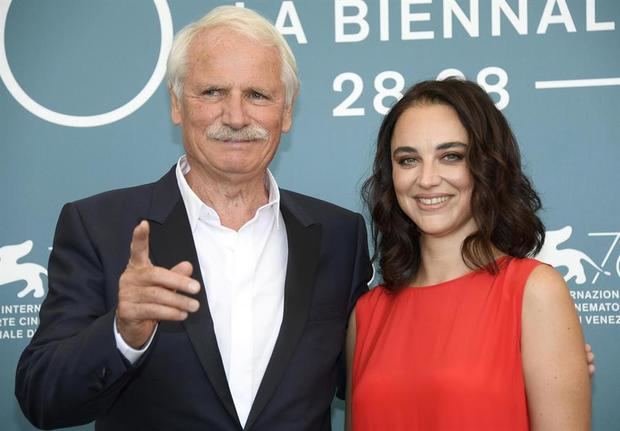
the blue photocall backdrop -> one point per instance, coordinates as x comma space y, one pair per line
83, 109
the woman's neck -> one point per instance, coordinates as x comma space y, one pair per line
441, 260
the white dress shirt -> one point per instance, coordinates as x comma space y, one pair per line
243, 273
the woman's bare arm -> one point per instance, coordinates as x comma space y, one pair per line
554, 360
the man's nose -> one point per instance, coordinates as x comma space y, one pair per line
234, 112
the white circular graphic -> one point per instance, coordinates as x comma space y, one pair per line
165, 25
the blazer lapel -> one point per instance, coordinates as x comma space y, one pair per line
304, 242
171, 242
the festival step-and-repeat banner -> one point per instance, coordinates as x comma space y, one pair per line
83, 109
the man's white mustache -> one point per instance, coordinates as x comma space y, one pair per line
221, 132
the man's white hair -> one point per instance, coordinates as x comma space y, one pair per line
241, 20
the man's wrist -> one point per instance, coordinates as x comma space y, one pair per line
131, 354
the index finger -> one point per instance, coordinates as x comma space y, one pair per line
139, 248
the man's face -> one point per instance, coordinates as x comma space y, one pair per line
233, 108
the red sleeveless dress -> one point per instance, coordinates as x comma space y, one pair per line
442, 357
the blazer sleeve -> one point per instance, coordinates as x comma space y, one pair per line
362, 276
71, 371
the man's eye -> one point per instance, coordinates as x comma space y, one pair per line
211, 92
257, 95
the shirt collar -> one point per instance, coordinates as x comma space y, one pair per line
196, 208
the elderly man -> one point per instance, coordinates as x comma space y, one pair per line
210, 299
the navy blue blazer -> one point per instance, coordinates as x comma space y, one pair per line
72, 373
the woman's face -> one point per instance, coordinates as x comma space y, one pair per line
432, 182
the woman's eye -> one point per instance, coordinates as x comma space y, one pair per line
453, 157
407, 161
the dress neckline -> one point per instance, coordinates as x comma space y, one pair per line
500, 261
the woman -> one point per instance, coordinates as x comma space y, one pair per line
466, 332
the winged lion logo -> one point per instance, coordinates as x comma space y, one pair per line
11, 270
570, 258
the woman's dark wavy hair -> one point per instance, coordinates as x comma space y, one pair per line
503, 201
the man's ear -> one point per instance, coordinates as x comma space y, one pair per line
175, 107
287, 119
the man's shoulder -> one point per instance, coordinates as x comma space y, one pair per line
314, 206
126, 196
116, 196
